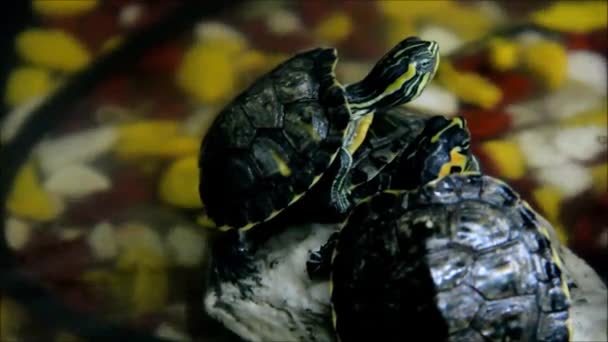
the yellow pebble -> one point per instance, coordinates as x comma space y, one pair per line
53, 49
251, 61
29, 200
599, 174
179, 146
12, 320
596, 117
503, 54
335, 28
63, 7
549, 199
547, 60
469, 87
573, 16
144, 138
507, 157
24, 83
179, 185
150, 290
150, 283
111, 43
207, 73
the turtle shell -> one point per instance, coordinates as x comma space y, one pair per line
459, 259
274, 141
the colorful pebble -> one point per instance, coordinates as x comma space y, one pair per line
534, 57
436, 100
17, 233
25, 83
81, 147
53, 49
76, 181
179, 184
334, 28
207, 74
29, 200
507, 158
589, 68
469, 87
63, 7
503, 55
588, 144
186, 245
11, 123
578, 178
102, 240
581, 17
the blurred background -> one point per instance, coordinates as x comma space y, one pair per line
103, 214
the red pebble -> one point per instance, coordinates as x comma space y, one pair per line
577, 41
116, 90
96, 28
473, 62
486, 124
164, 58
515, 87
54, 260
599, 42
313, 12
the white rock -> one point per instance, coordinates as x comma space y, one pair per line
76, 180
186, 245
71, 233
138, 235
199, 122
284, 304
215, 30
523, 114
538, 150
572, 98
570, 178
437, 100
448, 40
168, 332
580, 143
17, 233
102, 240
16, 117
79, 147
589, 68
129, 14
529, 37
283, 21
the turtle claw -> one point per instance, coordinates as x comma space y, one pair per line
318, 264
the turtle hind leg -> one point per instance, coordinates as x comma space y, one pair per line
318, 264
339, 194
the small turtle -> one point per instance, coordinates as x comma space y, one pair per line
275, 141
440, 148
462, 258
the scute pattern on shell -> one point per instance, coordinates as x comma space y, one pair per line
273, 141
463, 254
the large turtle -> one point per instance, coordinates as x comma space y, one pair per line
462, 258
277, 139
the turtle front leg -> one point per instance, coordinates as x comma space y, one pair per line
318, 264
339, 193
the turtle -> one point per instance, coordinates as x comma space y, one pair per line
461, 258
277, 139
441, 147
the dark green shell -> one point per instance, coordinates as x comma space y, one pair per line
297, 114
459, 259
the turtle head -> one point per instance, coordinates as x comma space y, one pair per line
441, 149
399, 77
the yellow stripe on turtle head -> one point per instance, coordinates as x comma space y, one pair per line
456, 121
398, 83
456, 159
